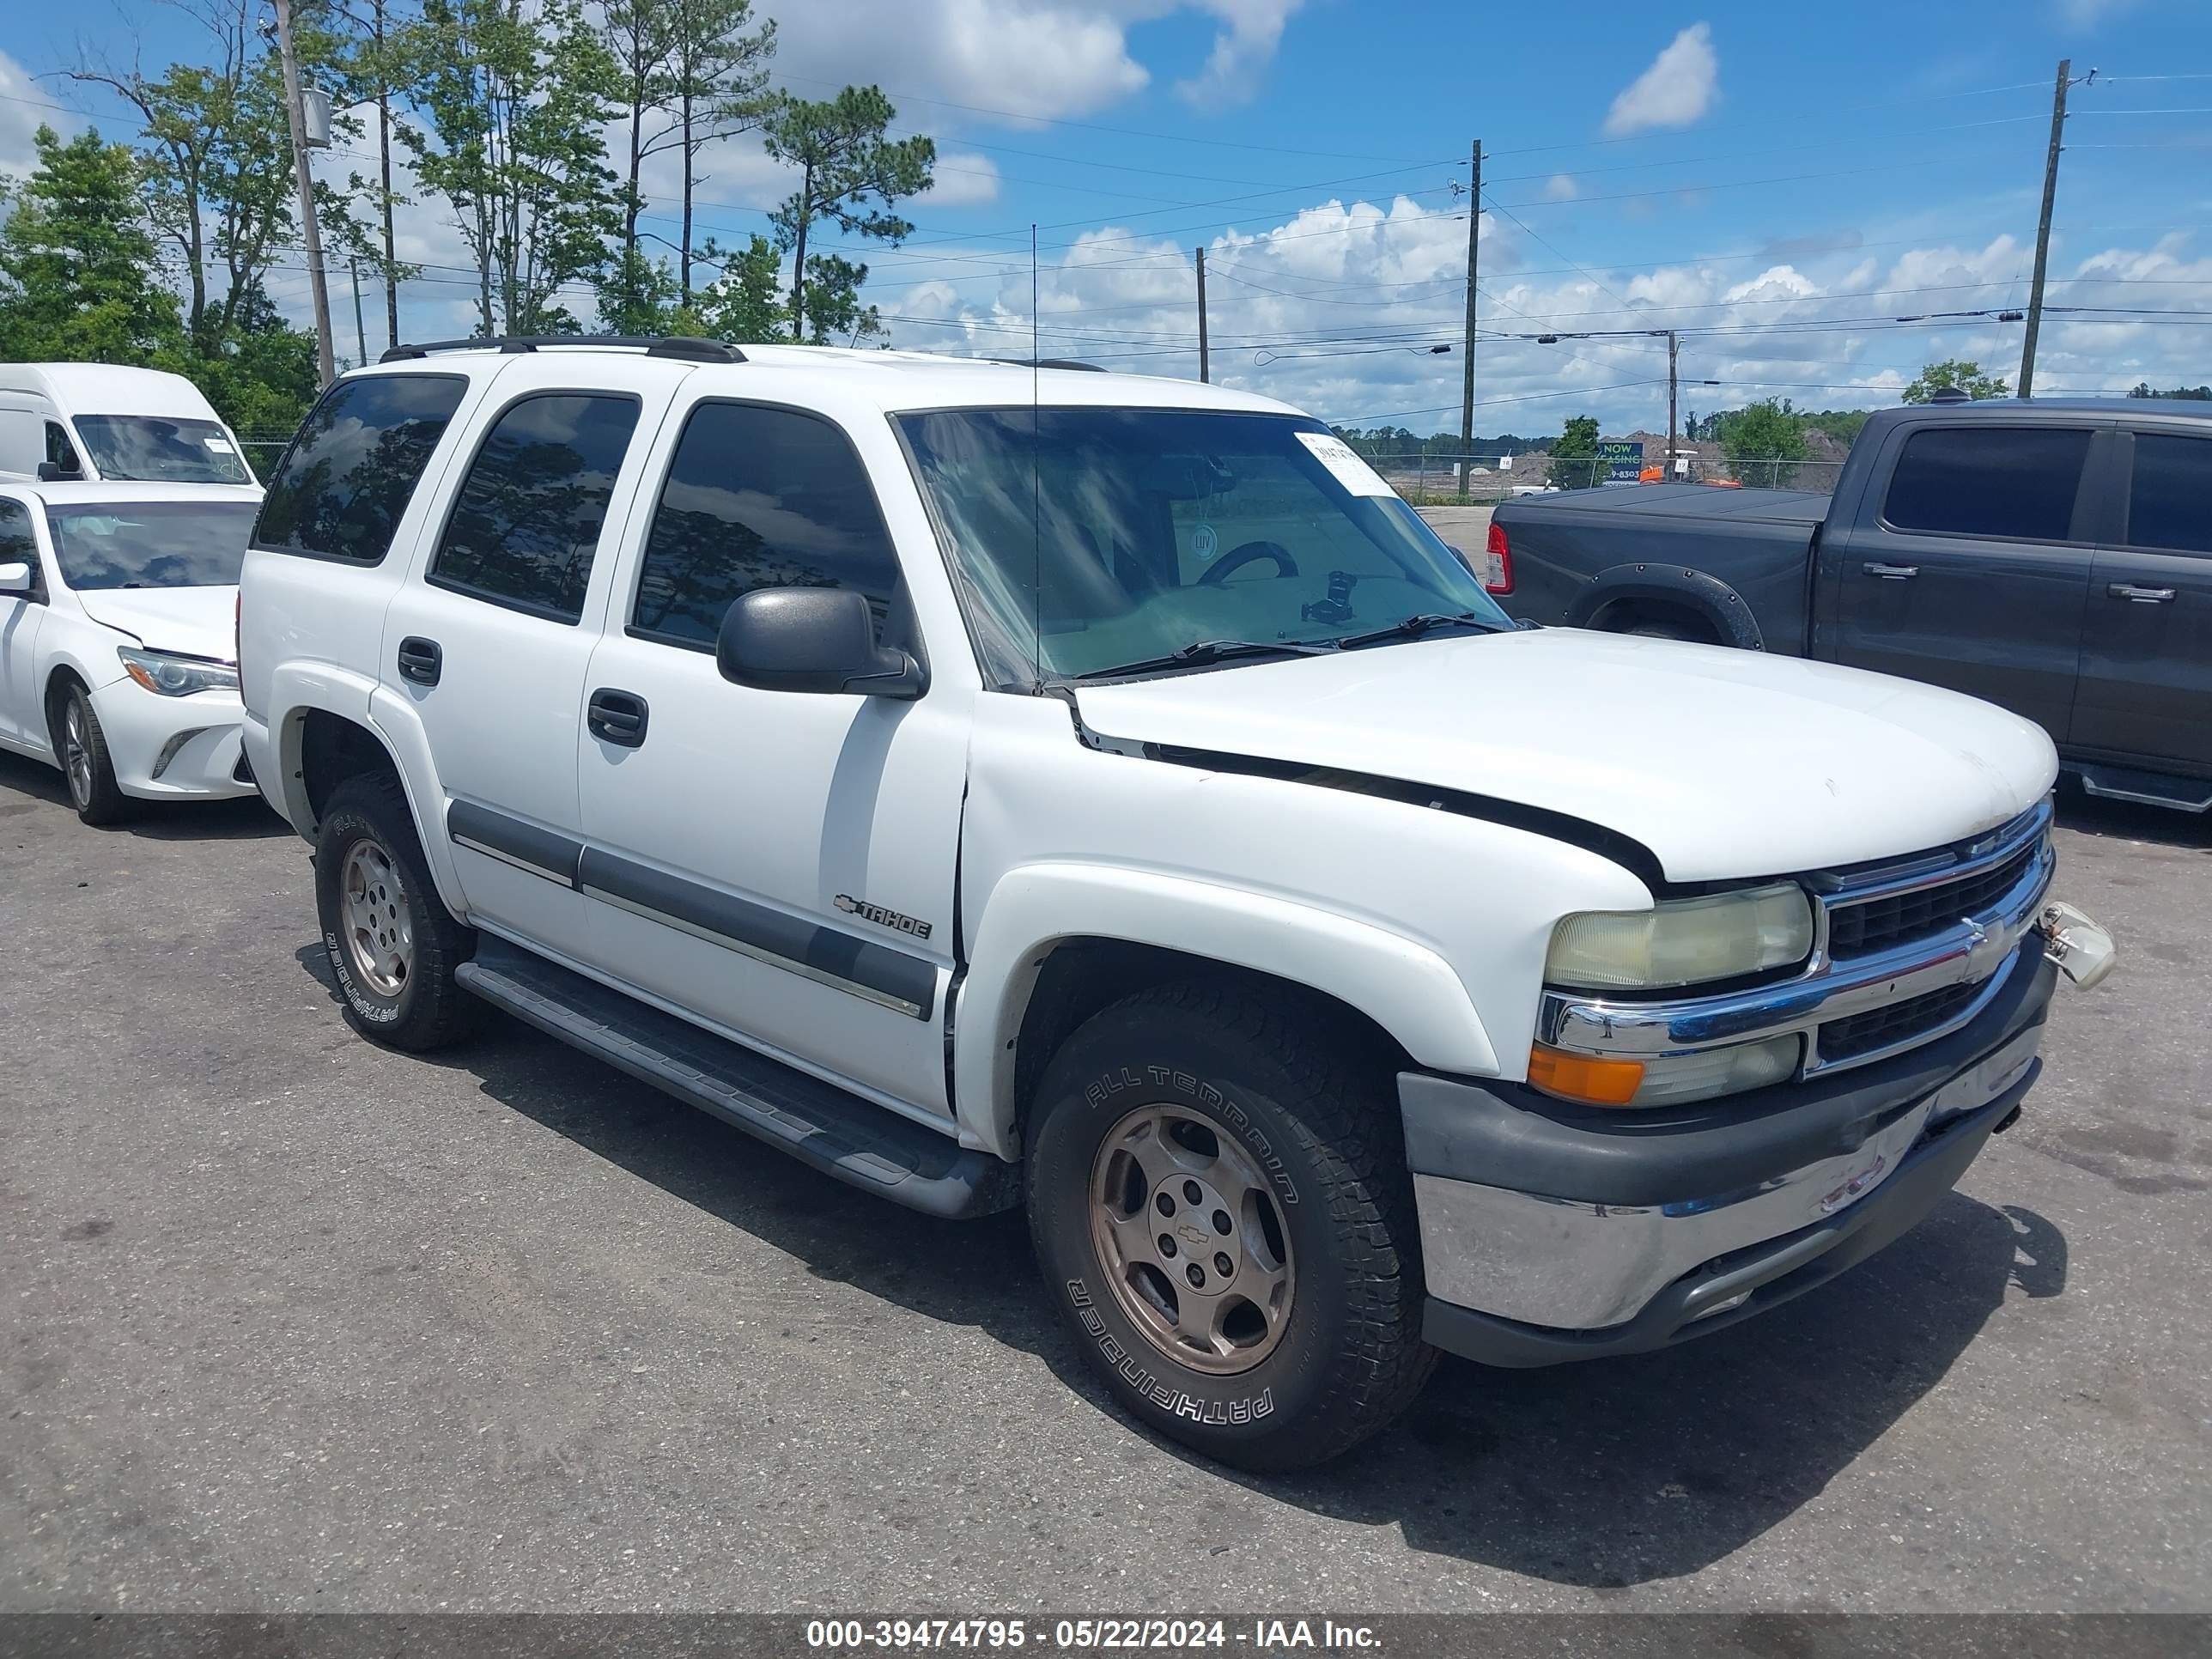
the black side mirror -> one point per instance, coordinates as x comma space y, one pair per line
54, 472
813, 639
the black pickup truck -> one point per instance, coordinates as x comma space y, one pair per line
2053, 556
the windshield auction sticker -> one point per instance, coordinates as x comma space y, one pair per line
1344, 464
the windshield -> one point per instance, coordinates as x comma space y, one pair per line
162, 449
151, 543
1144, 532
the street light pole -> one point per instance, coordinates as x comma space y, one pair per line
1204, 366
325, 359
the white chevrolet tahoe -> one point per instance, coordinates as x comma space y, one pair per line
1002, 785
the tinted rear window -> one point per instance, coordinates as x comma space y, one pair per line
2016, 482
343, 485
527, 522
2170, 502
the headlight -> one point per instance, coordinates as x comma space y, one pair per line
176, 676
1682, 941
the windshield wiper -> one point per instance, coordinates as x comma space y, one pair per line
1204, 651
1413, 627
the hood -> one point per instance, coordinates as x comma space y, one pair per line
1726, 764
192, 622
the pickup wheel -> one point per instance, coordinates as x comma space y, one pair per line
1219, 1197
394, 945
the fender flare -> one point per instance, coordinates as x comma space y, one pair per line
1699, 590
296, 688
1403, 986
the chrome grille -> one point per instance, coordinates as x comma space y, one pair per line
1877, 924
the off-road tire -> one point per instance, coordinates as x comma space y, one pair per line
92, 790
428, 1009
1311, 1103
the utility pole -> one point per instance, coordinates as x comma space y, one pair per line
325, 362
2042, 231
360, 329
1205, 365
1467, 364
1673, 348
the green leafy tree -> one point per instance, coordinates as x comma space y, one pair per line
514, 95
2188, 393
743, 304
1760, 440
1955, 372
77, 270
851, 177
371, 66
692, 72
1574, 454
216, 157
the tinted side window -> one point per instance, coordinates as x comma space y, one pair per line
59, 450
340, 490
2170, 502
526, 521
1989, 480
16, 543
760, 498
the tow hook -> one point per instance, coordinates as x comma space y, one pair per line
2082, 949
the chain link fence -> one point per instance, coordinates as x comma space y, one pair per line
1429, 480
262, 445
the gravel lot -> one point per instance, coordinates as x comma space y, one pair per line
294, 1323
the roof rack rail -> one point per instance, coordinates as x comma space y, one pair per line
683, 347
1051, 363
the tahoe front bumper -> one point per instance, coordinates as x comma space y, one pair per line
1554, 1232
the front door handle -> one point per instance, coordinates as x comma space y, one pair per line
2140, 595
1892, 572
420, 660
617, 717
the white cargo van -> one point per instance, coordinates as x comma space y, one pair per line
88, 422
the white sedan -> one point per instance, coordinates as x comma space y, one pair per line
118, 642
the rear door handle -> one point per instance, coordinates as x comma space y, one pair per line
1892, 572
420, 660
617, 717
2140, 595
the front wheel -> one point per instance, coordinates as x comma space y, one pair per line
1218, 1198
85, 764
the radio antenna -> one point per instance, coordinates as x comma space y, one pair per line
1037, 484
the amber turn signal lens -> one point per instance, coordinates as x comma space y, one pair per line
1579, 1077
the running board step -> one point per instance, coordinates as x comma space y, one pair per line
837, 1131
2146, 789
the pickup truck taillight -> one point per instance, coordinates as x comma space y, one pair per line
1497, 572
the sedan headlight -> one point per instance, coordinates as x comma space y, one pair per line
176, 676
1682, 941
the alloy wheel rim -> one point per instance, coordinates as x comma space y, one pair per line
1191, 1237
380, 939
77, 753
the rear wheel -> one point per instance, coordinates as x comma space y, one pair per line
1219, 1197
394, 945
82, 747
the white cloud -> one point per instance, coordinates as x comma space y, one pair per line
1561, 187
1042, 59
963, 178
20, 120
1241, 52
1334, 308
1677, 89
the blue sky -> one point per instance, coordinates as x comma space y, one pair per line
1723, 169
